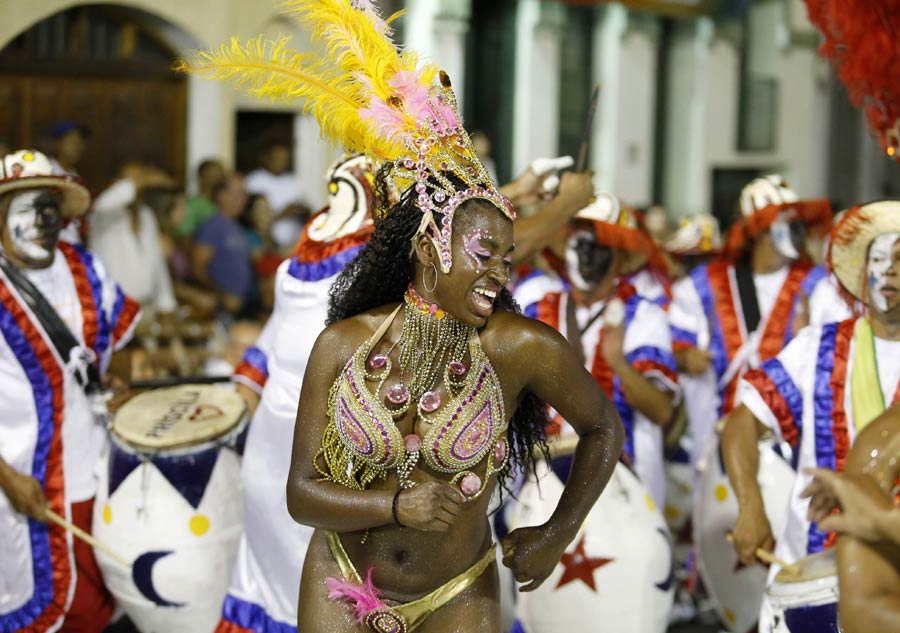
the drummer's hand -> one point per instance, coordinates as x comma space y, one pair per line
693, 360
430, 506
862, 500
751, 532
823, 499
612, 346
24, 493
532, 554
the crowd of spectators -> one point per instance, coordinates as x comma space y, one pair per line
201, 265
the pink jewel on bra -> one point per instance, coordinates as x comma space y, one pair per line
500, 450
378, 361
412, 442
470, 484
397, 394
430, 402
457, 368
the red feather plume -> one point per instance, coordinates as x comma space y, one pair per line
861, 41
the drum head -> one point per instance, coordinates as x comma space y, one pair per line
179, 416
812, 567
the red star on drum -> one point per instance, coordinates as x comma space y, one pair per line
579, 566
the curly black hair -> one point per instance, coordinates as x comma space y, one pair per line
380, 274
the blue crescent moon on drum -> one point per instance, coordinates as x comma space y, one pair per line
666, 584
142, 575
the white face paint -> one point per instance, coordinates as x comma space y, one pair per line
782, 238
881, 256
34, 222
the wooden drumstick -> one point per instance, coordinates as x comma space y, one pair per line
87, 538
768, 557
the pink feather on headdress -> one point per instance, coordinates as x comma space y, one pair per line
387, 120
363, 598
412, 90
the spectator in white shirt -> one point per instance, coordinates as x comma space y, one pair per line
281, 187
125, 233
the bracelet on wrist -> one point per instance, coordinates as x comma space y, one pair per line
394, 508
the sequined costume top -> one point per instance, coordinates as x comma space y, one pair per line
362, 442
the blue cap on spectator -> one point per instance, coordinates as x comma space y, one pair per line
64, 127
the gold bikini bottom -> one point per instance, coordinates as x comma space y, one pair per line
401, 618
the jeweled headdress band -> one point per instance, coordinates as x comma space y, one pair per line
370, 98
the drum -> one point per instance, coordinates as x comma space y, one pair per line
679, 501
736, 590
616, 574
806, 602
170, 501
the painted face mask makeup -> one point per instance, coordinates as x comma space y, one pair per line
474, 249
787, 237
34, 221
881, 256
587, 261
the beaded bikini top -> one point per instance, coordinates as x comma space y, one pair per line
362, 443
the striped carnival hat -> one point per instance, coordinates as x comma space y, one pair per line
851, 238
622, 228
762, 201
696, 235
30, 169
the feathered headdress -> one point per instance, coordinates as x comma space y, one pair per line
861, 41
370, 98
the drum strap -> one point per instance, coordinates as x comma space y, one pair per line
743, 273
70, 351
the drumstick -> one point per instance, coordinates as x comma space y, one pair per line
768, 557
588, 126
87, 538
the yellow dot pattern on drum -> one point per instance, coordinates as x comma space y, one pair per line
729, 616
199, 524
721, 493
672, 512
649, 500
107, 514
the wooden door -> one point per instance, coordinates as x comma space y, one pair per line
107, 69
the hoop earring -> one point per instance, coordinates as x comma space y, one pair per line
424, 284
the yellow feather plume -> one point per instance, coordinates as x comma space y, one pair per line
269, 69
357, 74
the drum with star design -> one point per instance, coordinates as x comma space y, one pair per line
736, 590
616, 574
170, 501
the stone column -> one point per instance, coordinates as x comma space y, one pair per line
539, 32
684, 181
312, 156
208, 129
609, 26
437, 29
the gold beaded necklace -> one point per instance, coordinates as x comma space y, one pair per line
430, 341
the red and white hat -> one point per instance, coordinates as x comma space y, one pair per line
30, 169
622, 228
762, 202
696, 235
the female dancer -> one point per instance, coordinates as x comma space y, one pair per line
424, 390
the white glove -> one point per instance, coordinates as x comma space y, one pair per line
542, 166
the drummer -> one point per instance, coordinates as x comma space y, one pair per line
49, 440
824, 387
737, 311
628, 353
869, 525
